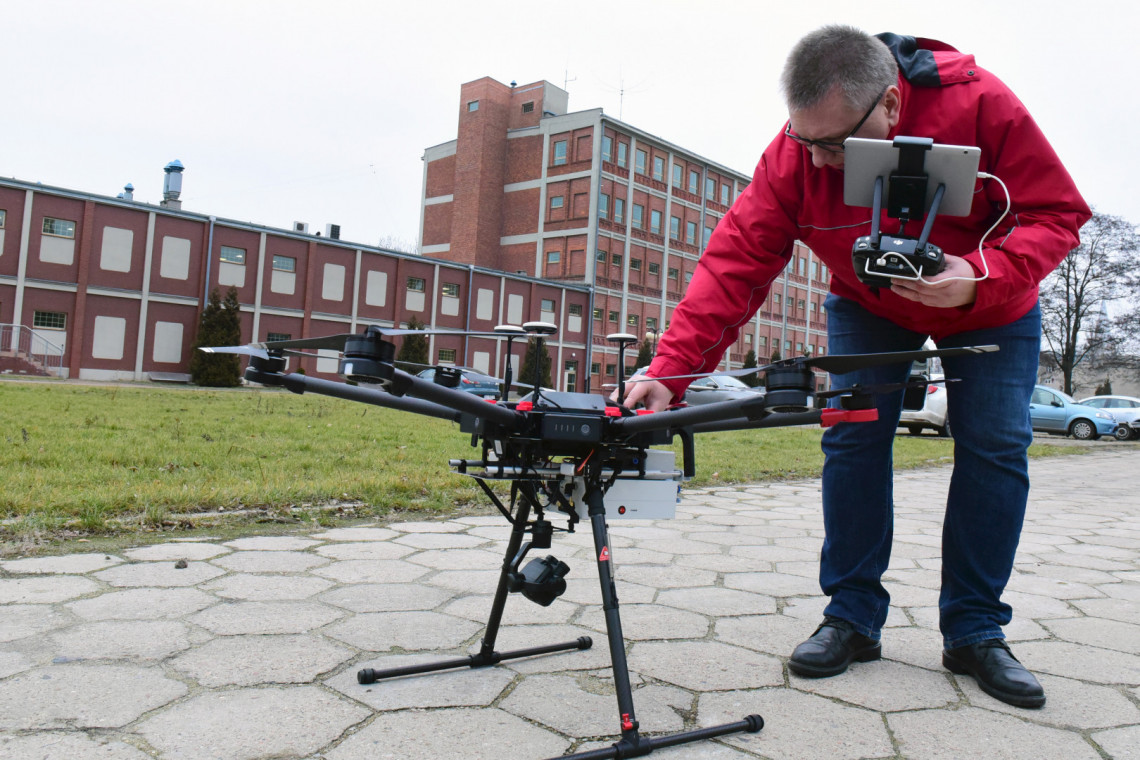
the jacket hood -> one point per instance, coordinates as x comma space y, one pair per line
916, 58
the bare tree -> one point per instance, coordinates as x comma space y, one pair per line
398, 244
1100, 272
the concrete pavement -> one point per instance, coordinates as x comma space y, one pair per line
249, 648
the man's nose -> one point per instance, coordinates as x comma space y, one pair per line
821, 158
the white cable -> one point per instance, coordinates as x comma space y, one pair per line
981, 253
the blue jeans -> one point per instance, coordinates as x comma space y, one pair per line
988, 412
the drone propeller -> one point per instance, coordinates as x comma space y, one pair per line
251, 350
859, 389
836, 363
337, 342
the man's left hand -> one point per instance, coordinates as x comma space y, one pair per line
941, 290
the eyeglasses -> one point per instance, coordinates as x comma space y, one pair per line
827, 145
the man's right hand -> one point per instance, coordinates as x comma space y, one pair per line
653, 394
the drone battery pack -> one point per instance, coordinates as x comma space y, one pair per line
653, 497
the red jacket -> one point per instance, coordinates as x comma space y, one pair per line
945, 96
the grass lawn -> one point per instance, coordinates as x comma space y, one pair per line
104, 460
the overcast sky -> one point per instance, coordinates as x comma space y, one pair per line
320, 112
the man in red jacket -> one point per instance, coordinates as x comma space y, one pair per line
840, 82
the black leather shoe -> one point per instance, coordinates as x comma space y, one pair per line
833, 646
997, 672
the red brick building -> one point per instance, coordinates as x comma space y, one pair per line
580, 197
120, 286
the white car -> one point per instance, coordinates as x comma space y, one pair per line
931, 415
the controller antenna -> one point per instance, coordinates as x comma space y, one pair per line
512, 332
623, 340
538, 329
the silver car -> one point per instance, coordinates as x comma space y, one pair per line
931, 415
708, 390
1126, 410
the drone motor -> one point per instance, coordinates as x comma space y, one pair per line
368, 358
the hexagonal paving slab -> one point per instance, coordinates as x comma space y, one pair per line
461, 687
83, 696
142, 604
234, 618
252, 660
251, 723
705, 665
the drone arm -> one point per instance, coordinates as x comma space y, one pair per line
302, 384
687, 417
457, 400
775, 419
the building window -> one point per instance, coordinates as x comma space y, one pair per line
528, 107
450, 289
655, 222
614, 317
553, 257
574, 309
776, 300
559, 152
623, 154
632, 320
416, 284
694, 181
642, 159
619, 210
800, 304
59, 227
659, 168
812, 306
673, 273
472, 105
555, 201
691, 233
802, 266
3, 218
724, 190
678, 175
748, 339
447, 356
285, 263
232, 255
763, 341
675, 227
638, 215
597, 313
596, 368
603, 206
548, 304
607, 148
635, 265
616, 260
601, 256
688, 277
708, 234
710, 189
814, 269
654, 268
611, 369
50, 320
271, 337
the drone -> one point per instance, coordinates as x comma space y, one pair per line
577, 456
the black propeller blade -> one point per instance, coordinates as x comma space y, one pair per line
337, 342
836, 363
858, 389
840, 363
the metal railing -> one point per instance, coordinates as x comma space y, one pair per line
25, 343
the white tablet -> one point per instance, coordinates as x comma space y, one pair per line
955, 166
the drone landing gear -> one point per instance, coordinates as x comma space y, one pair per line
632, 743
487, 654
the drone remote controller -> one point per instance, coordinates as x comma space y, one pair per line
894, 258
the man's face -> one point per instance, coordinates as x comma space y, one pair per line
833, 119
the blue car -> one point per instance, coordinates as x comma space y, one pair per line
1052, 411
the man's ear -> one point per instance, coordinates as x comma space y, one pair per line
892, 101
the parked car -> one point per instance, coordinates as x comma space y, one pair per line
708, 390
470, 380
1052, 411
1126, 410
930, 413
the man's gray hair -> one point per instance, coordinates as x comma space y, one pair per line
837, 56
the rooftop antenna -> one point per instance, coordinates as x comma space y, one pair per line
567, 80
